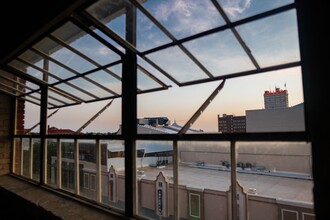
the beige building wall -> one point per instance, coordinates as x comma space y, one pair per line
260, 208
275, 120
215, 204
280, 156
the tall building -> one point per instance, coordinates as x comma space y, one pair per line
231, 124
276, 99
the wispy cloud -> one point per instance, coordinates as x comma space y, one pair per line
235, 7
190, 16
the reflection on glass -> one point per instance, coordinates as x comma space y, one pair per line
36, 156
68, 164
154, 164
52, 164
204, 179
273, 40
87, 168
275, 173
113, 174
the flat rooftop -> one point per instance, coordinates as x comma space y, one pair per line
286, 188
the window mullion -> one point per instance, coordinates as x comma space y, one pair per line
233, 162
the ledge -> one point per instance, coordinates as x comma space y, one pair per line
23, 199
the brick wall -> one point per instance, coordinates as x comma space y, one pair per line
5, 129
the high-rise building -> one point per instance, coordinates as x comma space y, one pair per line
276, 99
231, 124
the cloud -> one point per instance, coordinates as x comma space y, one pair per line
190, 16
236, 7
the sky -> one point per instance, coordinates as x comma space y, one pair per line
273, 40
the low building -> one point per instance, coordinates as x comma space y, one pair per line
231, 124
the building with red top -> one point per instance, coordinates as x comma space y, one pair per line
276, 99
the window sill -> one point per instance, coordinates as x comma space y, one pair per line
28, 200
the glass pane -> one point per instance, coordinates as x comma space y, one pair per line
176, 63
55, 97
36, 158
204, 179
87, 168
31, 118
68, 164
185, 18
220, 53
52, 164
145, 65
17, 156
33, 71
26, 157
107, 80
273, 40
237, 10
90, 87
85, 44
148, 34
73, 91
63, 55
145, 82
155, 179
113, 174
110, 13
274, 173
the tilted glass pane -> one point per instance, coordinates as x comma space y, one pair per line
110, 13
148, 35
85, 44
64, 55
176, 63
106, 80
220, 53
273, 40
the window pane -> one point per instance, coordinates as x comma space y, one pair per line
86, 44
17, 156
87, 168
36, 158
52, 162
68, 164
177, 64
154, 164
26, 157
113, 174
273, 174
273, 40
220, 53
204, 179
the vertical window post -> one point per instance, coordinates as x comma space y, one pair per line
43, 133
129, 112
